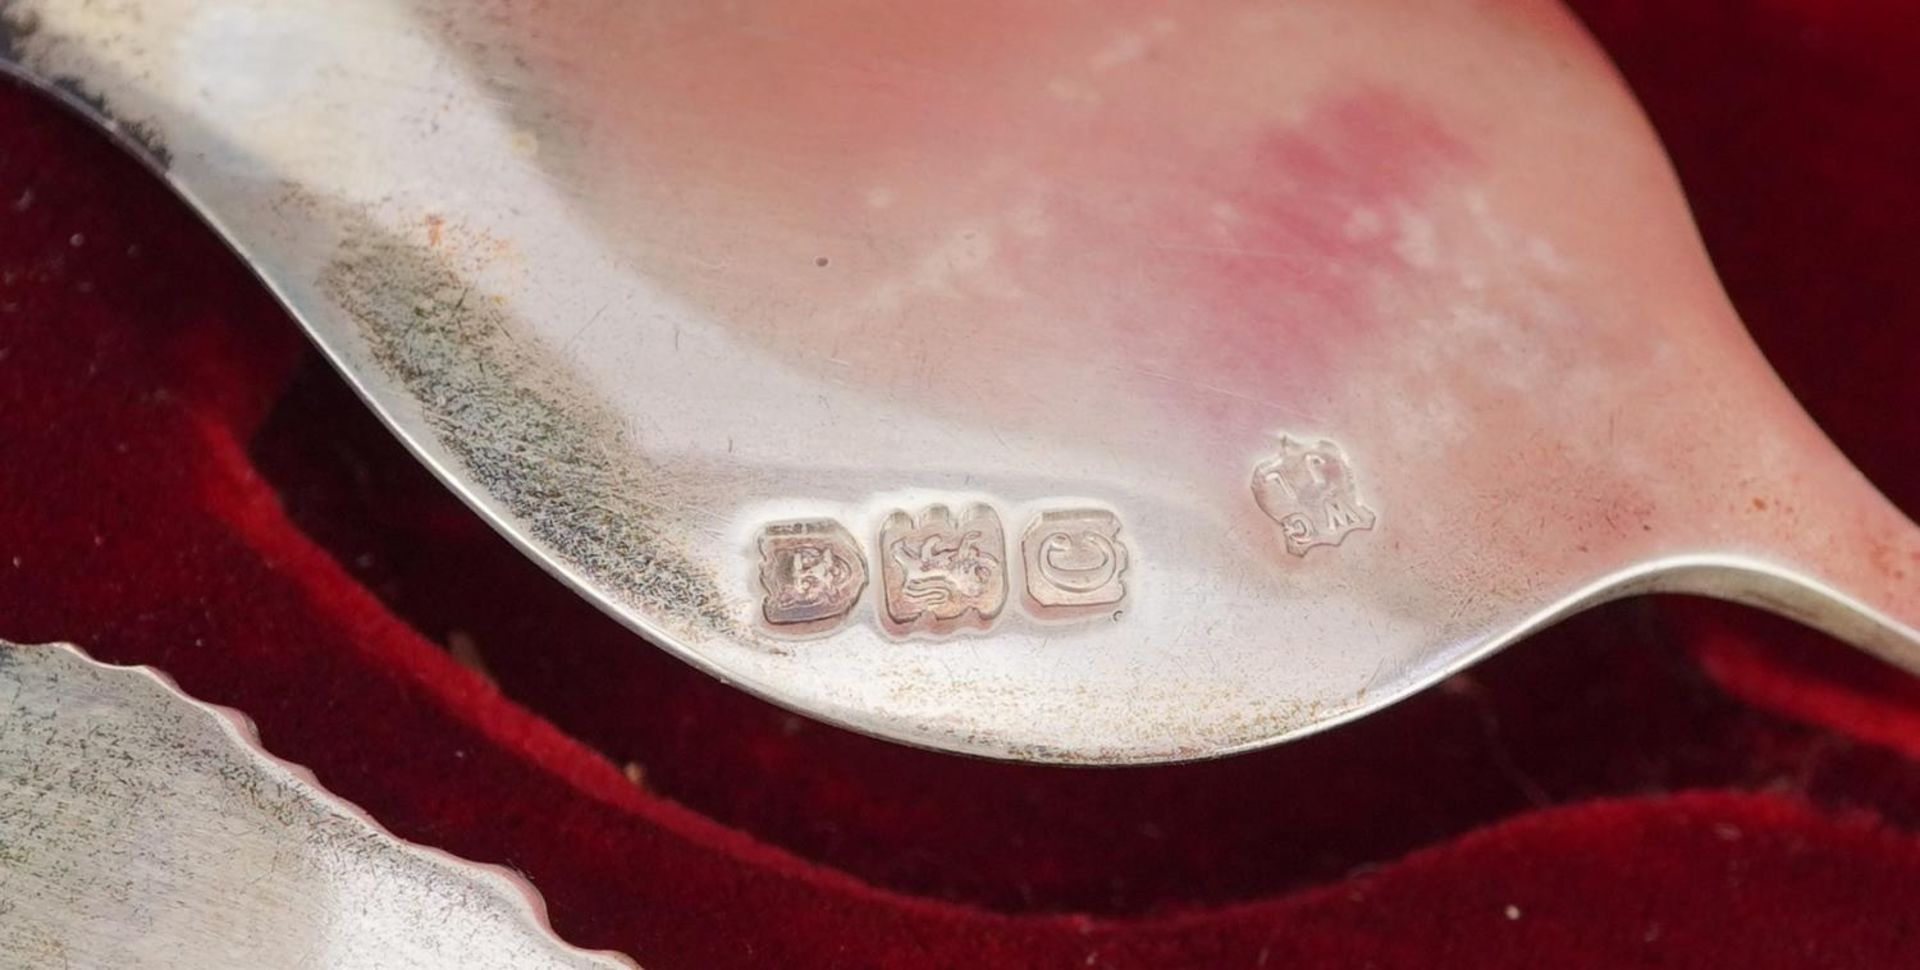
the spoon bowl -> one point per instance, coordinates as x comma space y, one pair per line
1092, 383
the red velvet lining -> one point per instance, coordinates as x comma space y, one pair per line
183, 486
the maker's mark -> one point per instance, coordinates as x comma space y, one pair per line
1309, 491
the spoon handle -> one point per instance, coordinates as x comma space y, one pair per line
1820, 544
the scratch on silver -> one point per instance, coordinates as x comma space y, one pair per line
142, 829
556, 459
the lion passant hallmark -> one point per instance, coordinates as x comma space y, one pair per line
1310, 491
942, 567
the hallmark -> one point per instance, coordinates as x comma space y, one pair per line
811, 571
942, 568
1310, 492
1075, 558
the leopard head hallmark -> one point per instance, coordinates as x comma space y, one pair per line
811, 571
1309, 490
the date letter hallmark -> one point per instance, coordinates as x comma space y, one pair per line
1075, 558
1310, 492
942, 568
811, 571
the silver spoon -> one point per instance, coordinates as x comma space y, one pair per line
1068, 382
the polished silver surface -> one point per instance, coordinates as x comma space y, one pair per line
1374, 334
140, 828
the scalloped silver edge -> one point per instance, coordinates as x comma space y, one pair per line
243, 859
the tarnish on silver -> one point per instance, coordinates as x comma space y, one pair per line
140, 829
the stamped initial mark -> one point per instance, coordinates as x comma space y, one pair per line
940, 567
811, 571
1075, 558
1310, 492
